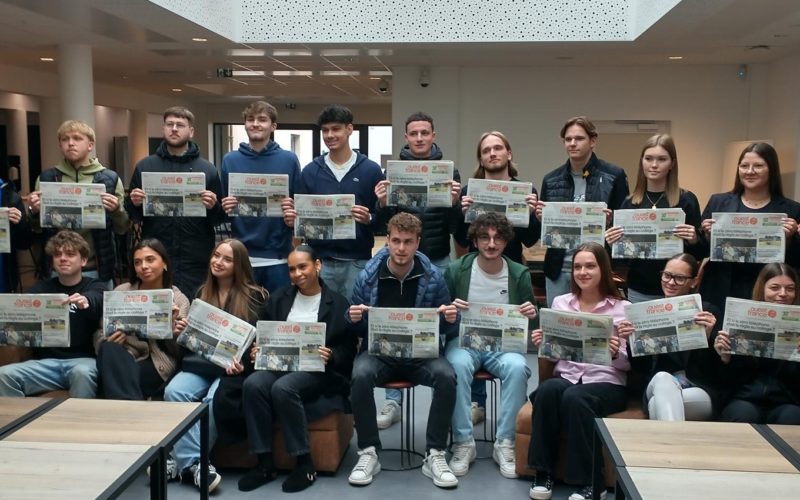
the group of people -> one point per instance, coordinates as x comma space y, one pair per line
259, 274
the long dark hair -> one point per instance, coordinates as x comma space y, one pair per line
607, 285
770, 271
770, 156
159, 248
245, 294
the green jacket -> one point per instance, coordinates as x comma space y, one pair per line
459, 272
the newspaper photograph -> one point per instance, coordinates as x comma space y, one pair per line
579, 337
403, 333
505, 197
666, 325
324, 216
747, 237
493, 328
286, 346
173, 195
419, 184
216, 335
146, 314
648, 233
259, 195
5, 231
763, 329
566, 225
69, 205
34, 320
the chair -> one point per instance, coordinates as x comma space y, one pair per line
489, 431
409, 456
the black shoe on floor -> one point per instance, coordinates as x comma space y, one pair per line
301, 478
256, 477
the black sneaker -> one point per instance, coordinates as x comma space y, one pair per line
213, 477
585, 493
542, 486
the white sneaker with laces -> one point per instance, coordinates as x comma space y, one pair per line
213, 477
435, 467
477, 413
366, 468
389, 415
463, 455
504, 456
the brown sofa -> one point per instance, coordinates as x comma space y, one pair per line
524, 427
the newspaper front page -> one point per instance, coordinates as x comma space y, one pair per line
648, 233
763, 329
493, 328
579, 337
259, 195
505, 197
287, 346
34, 320
747, 237
324, 216
419, 184
216, 335
5, 231
173, 195
403, 333
566, 225
70, 205
144, 313
666, 325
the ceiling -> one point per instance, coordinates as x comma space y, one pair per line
140, 45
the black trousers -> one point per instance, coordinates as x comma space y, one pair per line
559, 406
373, 371
740, 410
122, 377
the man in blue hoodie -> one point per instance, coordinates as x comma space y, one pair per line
268, 239
342, 171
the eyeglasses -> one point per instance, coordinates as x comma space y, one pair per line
485, 238
679, 279
177, 125
755, 168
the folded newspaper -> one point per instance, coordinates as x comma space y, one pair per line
144, 313
747, 237
648, 233
567, 225
258, 195
34, 320
419, 184
403, 333
5, 231
493, 328
216, 335
70, 205
505, 197
324, 217
666, 325
579, 337
287, 346
763, 329
173, 195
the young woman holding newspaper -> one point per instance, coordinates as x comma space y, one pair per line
763, 390
569, 402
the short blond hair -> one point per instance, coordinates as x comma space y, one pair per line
78, 126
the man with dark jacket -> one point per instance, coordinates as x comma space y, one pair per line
583, 178
268, 239
189, 240
19, 235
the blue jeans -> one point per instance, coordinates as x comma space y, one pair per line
272, 277
478, 394
340, 275
78, 375
189, 387
559, 286
513, 373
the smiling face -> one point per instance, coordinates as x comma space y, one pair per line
780, 290
656, 163
221, 263
586, 271
336, 135
753, 172
303, 271
674, 271
149, 267
490, 245
259, 127
68, 262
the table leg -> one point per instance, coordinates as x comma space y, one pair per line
597, 463
158, 475
204, 453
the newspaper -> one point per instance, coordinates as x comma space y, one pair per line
666, 325
286, 346
173, 195
763, 329
648, 233
259, 195
419, 184
144, 313
493, 328
567, 225
70, 205
34, 320
505, 197
324, 217
579, 337
747, 237
5, 231
403, 333
216, 335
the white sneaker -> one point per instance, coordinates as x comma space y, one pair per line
366, 468
463, 455
435, 467
504, 456
390, 414
477, 413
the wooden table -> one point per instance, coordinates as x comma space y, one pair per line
787, 439
691, 484
14, 412
38, 470
97, 421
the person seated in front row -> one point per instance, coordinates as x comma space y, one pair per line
487, 276
70, 368
399, 276
569, 402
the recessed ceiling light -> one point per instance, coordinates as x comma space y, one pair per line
675, 58
380, 73
199, 39
177, 90
238, 72
339, 73
46, 59
374, 78
292, 73
246, 53
291, 52
339, 52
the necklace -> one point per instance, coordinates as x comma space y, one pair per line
755, 203
654, 202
